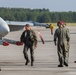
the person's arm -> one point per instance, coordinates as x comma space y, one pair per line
22, 37
68, 35
55, 37
35, 38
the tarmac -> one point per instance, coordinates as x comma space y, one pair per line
12, 61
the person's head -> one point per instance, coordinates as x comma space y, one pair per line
61, 24
27, 27
64, 25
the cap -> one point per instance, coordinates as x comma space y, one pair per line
61, 23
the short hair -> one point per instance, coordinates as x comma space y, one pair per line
27, 25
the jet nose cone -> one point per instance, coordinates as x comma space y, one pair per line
4, 29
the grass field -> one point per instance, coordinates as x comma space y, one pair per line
68, 24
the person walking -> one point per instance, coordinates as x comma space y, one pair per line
29, 39
62, 39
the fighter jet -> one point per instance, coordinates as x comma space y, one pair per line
9, 26
40, 24
44, 25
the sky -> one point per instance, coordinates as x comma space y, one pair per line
52, 5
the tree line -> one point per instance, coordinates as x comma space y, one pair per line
39, 15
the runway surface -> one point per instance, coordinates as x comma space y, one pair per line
46, 59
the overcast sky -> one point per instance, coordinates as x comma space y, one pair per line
52, 5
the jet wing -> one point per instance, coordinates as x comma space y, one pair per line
15, 25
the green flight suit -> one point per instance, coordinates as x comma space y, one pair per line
30, 41
62, 38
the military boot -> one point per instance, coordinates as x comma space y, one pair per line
65, 64
60, 65
31, 63
27, 61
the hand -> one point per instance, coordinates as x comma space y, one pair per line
35, 46
55, 43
